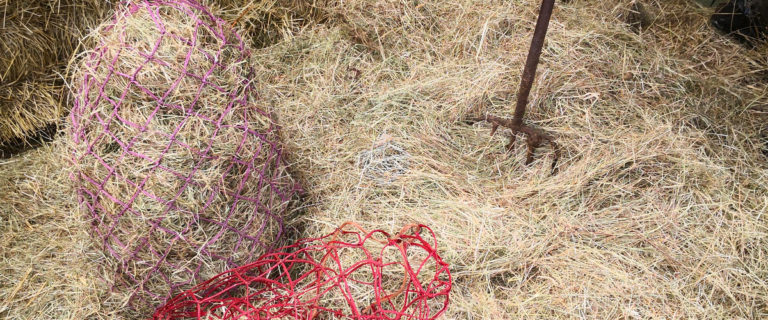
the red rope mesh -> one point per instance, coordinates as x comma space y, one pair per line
252, 179
350, 274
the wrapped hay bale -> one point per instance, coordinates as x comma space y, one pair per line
39, 37
178, 169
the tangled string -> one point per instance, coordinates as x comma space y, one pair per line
179, 170
349, 274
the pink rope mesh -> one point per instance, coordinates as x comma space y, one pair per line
91, 190
349, 274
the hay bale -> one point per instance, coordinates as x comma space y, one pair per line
177, 168
39, 37
42, 34
27, 106
28, 39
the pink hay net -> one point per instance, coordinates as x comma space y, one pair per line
86, 115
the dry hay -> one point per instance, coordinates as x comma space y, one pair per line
47, 261
39, 38
658, 210
28, 107
21, 103
266, 22
177, 166
29, 39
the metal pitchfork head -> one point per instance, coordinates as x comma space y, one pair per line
536, 137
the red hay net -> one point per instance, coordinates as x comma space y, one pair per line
348, 274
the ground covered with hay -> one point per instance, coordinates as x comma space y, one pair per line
658, 209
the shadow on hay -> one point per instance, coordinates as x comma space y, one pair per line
17, 145
266, 23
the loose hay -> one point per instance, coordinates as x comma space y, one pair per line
657, 211
178, 168
397, 277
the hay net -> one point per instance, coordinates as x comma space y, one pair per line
176, 166
348, 274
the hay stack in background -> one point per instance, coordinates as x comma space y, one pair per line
178, 168
38, 39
